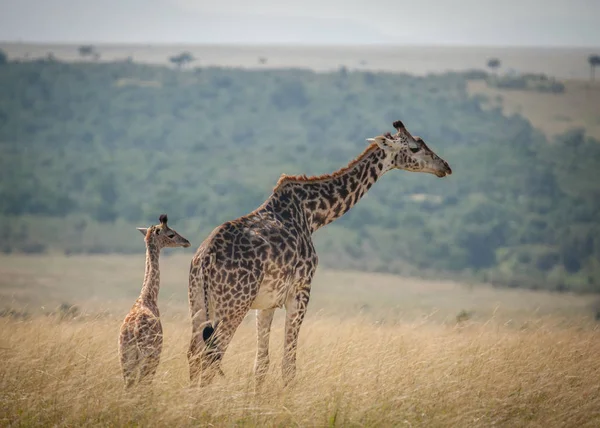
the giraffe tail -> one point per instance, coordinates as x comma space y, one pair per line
209, 336
210, 340
209, 328
199, 280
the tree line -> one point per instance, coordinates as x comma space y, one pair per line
90, 150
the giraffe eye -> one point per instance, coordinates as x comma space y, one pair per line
414, 147
171, 236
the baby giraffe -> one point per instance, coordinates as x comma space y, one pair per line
141, 337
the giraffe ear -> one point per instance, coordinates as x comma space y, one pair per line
143, 230
382, 142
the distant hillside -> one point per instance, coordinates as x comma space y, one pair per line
561, 63
87, 151
577, 107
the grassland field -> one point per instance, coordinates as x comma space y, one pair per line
553, 114
375, 350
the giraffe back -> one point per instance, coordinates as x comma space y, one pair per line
259, 256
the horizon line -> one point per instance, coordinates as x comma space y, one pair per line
298, 44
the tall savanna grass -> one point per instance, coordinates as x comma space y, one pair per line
375, 350
351, 372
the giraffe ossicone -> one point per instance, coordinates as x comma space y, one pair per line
266, 259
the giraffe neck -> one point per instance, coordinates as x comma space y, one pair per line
329, 197
151, 275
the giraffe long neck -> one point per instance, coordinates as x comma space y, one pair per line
327, 198
151, 283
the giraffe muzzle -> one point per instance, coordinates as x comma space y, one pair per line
446, 171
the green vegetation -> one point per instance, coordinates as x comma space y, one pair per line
89, 150
494, 63
89, 51
527, 82
182, 59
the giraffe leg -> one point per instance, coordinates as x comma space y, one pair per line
264, 318
148, 368
129, 357
228, 324
150, 342
198, 352
195, 355
150, 357
130, 365
296, 308
205, 361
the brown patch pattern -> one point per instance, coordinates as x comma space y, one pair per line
266, 259
141, 335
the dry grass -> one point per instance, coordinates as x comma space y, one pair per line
578, 106
375, 350
351, 373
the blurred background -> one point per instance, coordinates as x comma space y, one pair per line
114, 112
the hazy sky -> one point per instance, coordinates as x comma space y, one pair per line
462, 22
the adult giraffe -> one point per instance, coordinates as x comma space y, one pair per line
266, 259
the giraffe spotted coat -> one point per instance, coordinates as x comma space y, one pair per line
266, 260
141, 336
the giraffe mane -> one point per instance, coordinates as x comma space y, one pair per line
284, 179
149, 232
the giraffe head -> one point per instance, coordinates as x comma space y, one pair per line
162, 235
410, 153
